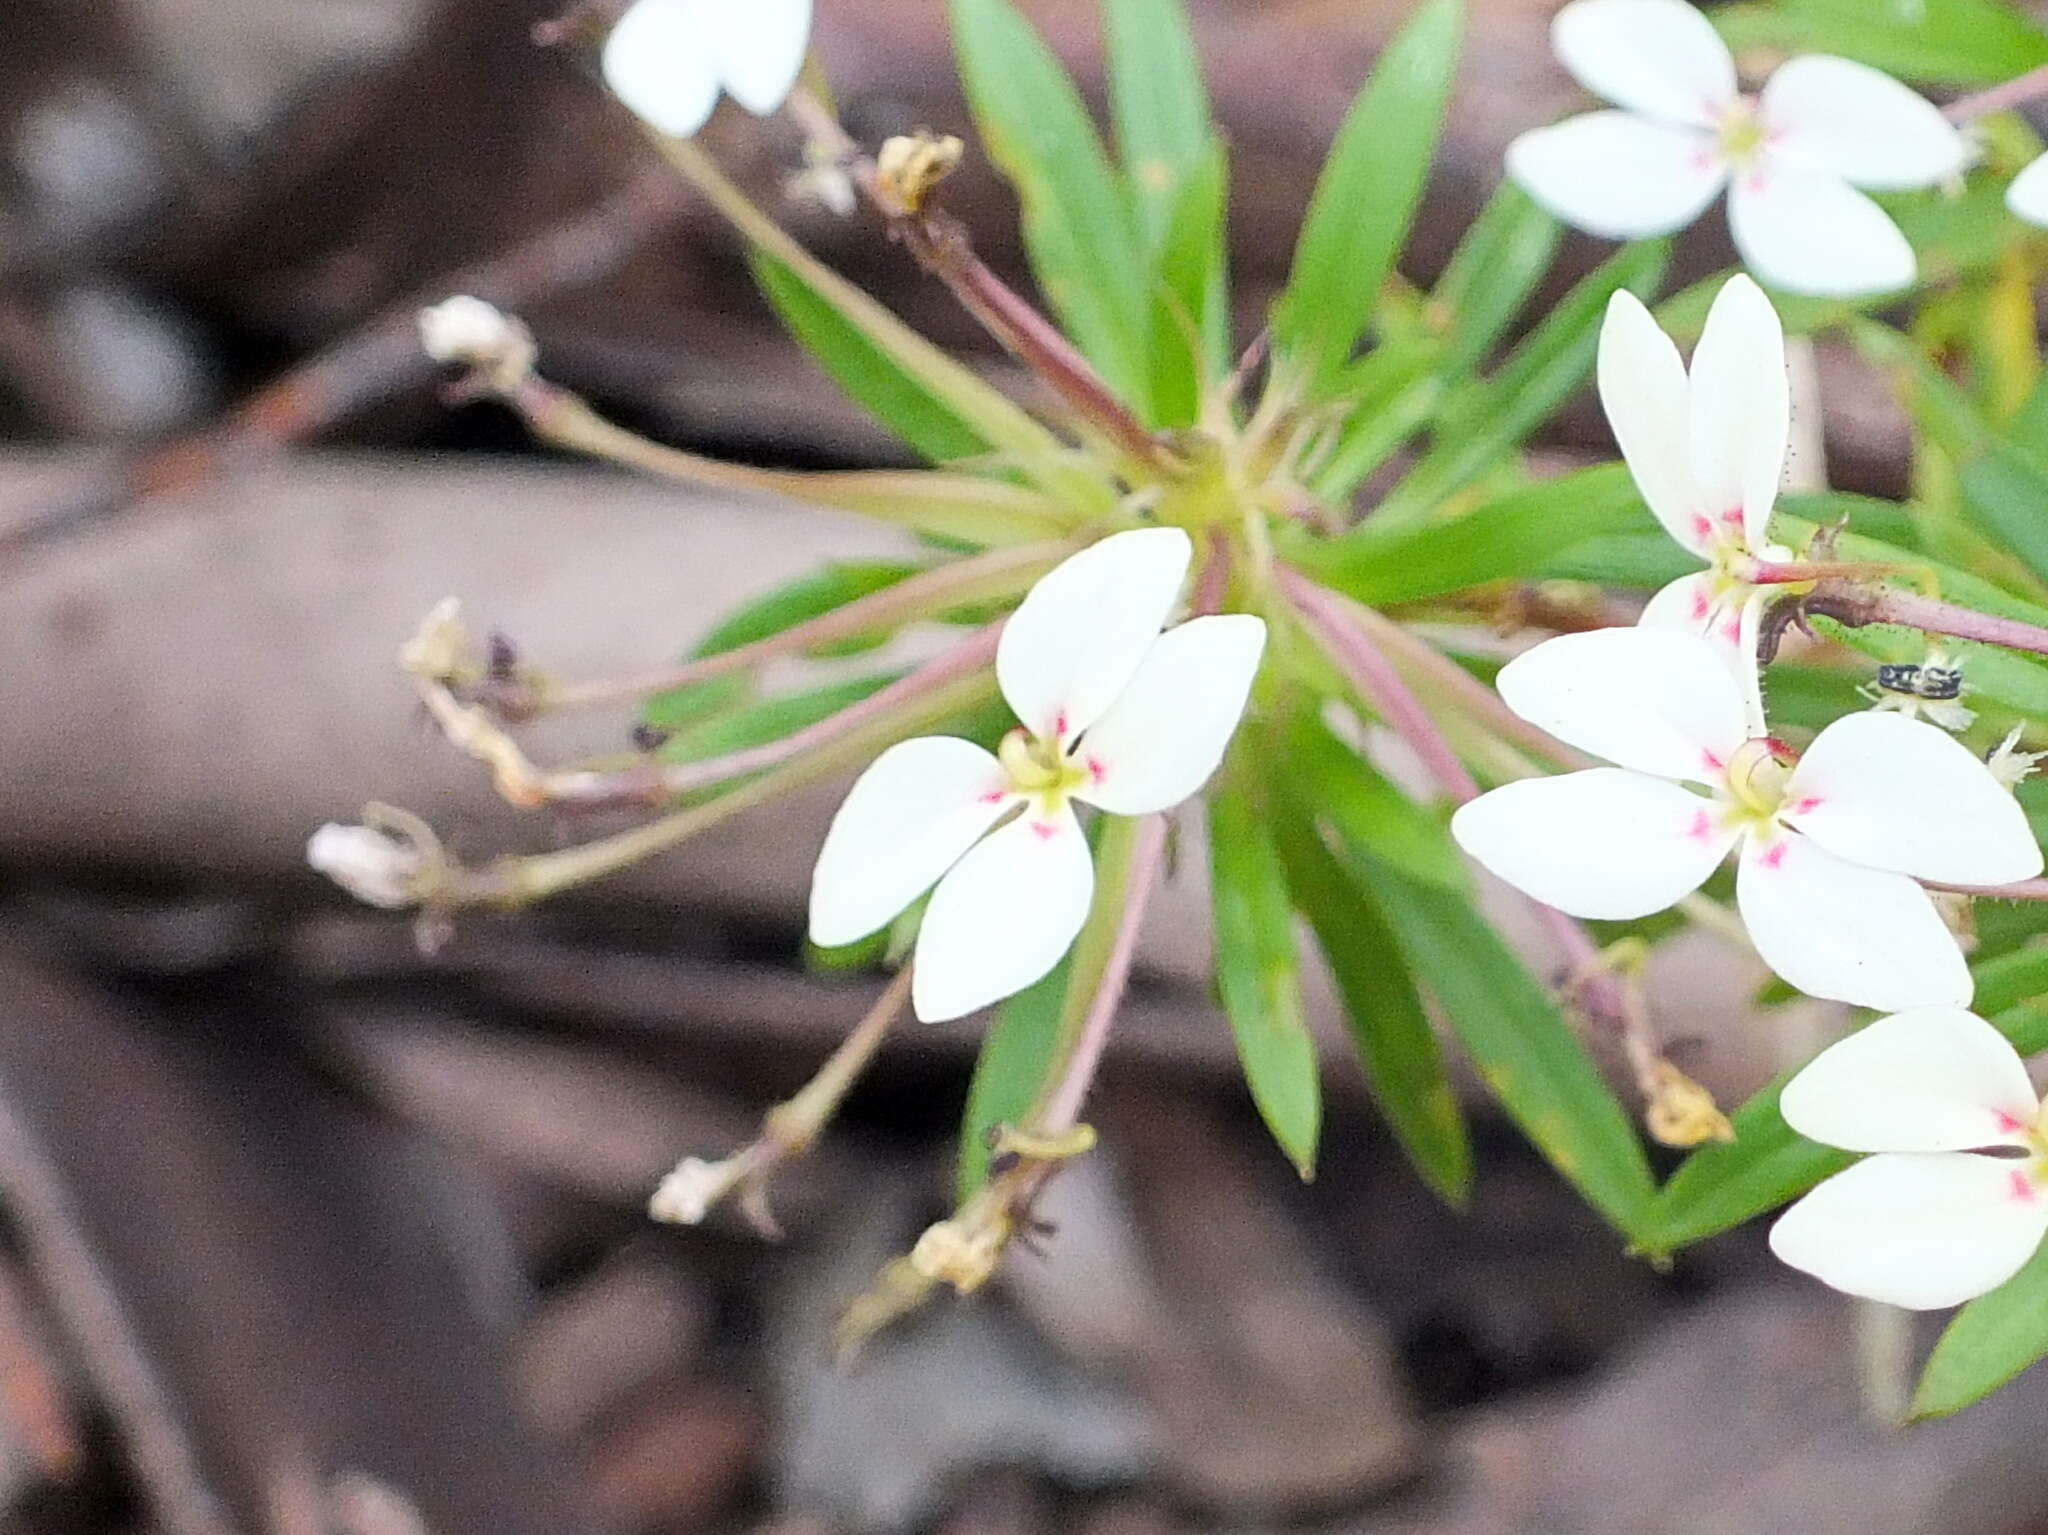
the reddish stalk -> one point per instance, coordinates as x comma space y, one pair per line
2016, 92
1376, 680
1857, 605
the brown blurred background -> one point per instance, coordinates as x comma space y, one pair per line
303, 1232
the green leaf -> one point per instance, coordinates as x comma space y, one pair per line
1514, 537
810, 596
2008, 982
1158, 104
1365, 199
1006, 427
2006, 493
1257, 975
1396, 1046
1721, 1186
1492, 273
1393, 391
1191, 307
1990, 1341
1365, 809
1490, 416
1079, 227
898, 398
1930, 42
770, 719
1014, 1060
1519, 1040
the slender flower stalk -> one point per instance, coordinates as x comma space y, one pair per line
788, 1130
988, 577
1856, 605
2016, 92
1377, 681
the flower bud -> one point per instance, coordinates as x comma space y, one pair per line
494, 345
371, 865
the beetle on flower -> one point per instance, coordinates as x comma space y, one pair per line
1955, 1199
1706, 450
1792, 157
1831, 844
667, 60
1115, 714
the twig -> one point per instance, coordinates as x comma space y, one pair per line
1855, 605
1376, 680
371, 363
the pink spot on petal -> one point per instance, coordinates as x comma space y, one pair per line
1805, 806
1097, 770
995, 796
1774, 856
1732, 517
1059, 725
1044, 830
2023, 1189
1713, 761
1731, 631
2007, 1125
1702, 529
1700, 607
1702, 828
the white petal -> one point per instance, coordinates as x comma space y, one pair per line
1080, 633
1860, 124
759, 46
1162, 738
1617, 175
1809, 231
1727, 617
659, 62
1004, 915
1658, 57
1741, 409
1657, 700
917, 808
1916, 1231
1603, 843
2028, 194
1693, 604
1934, 1079
1897, 793
1643, 390
1837, 930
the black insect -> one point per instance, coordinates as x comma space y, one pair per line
1937, 683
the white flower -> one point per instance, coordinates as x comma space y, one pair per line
1707, 451
1830, 846
2009, 763
477, 335
1931, 1220
371, 865
2028, 194
667, 60
1116, 715
1791, 158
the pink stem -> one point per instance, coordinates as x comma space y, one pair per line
1062, 1110
653, 785
1376, 680
2016, 92
2019, 890
1894, 605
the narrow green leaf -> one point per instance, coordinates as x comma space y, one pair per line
770, 719
1490, 417
1366, 810
1514, 537
1520, 1042
1721, 1186
1081, 231
1158, 103
1365, 199
1006, 427
1492, 273
1396, 1046
813, 595
1397, 397
1257, 975
901, 401
1930, 42
1990, 1341
1191, 306
2009, 981
1014, 1059
2006, 493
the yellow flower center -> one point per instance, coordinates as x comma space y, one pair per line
1038, 768
1755, 781
1741, 133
